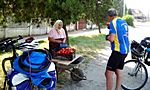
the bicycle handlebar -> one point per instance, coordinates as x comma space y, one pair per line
27, 46
5, 43
9, 41
15, 41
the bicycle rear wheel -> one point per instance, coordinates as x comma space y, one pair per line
135, 75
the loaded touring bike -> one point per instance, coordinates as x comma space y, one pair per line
32, 70
135, 72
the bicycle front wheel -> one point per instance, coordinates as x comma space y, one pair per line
134, 75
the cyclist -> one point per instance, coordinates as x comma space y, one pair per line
118, 37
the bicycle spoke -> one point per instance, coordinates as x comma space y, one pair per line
135, 75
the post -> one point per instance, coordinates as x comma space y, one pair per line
30, 28
5, 36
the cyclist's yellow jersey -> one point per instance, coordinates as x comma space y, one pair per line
119, 27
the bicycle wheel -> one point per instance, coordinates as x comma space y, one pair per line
135, 75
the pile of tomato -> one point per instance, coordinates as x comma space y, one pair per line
66, 51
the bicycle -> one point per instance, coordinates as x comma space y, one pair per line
27, 47
135, 72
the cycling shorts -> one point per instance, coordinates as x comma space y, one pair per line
116, 61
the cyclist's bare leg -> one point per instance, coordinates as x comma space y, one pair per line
119, 77
109, 79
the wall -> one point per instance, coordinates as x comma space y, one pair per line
81, 24
13, 32
2, 33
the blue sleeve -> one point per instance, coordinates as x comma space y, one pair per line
112, 29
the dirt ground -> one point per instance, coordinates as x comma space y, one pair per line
94, 72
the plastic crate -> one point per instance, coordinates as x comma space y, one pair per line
68, 56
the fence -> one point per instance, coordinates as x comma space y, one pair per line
14, 29
22, 30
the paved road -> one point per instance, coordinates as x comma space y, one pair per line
141, 31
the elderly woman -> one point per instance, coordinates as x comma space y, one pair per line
56, 36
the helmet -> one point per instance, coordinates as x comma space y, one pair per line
112, 12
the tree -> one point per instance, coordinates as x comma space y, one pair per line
103, 8
25, 10
39, 10
94, 8
119, 5
66, 10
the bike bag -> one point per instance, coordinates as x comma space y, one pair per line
35, 64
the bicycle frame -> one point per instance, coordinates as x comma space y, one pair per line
10, 58
136, 68
25, 45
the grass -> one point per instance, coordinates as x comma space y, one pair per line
88, 46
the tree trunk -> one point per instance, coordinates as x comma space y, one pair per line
67, 38
97, 14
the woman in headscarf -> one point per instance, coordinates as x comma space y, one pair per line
56, 36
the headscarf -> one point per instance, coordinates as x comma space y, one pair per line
57, 23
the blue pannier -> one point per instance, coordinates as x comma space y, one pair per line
35, 65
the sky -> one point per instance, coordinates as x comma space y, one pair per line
143, 5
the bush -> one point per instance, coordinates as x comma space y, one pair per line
129, 19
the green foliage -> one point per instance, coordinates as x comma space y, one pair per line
93, 9
129, 19
118, 5
66, 10
25, 10
104, 6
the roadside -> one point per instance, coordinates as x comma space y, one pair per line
76, 33
96, 68
94, 72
